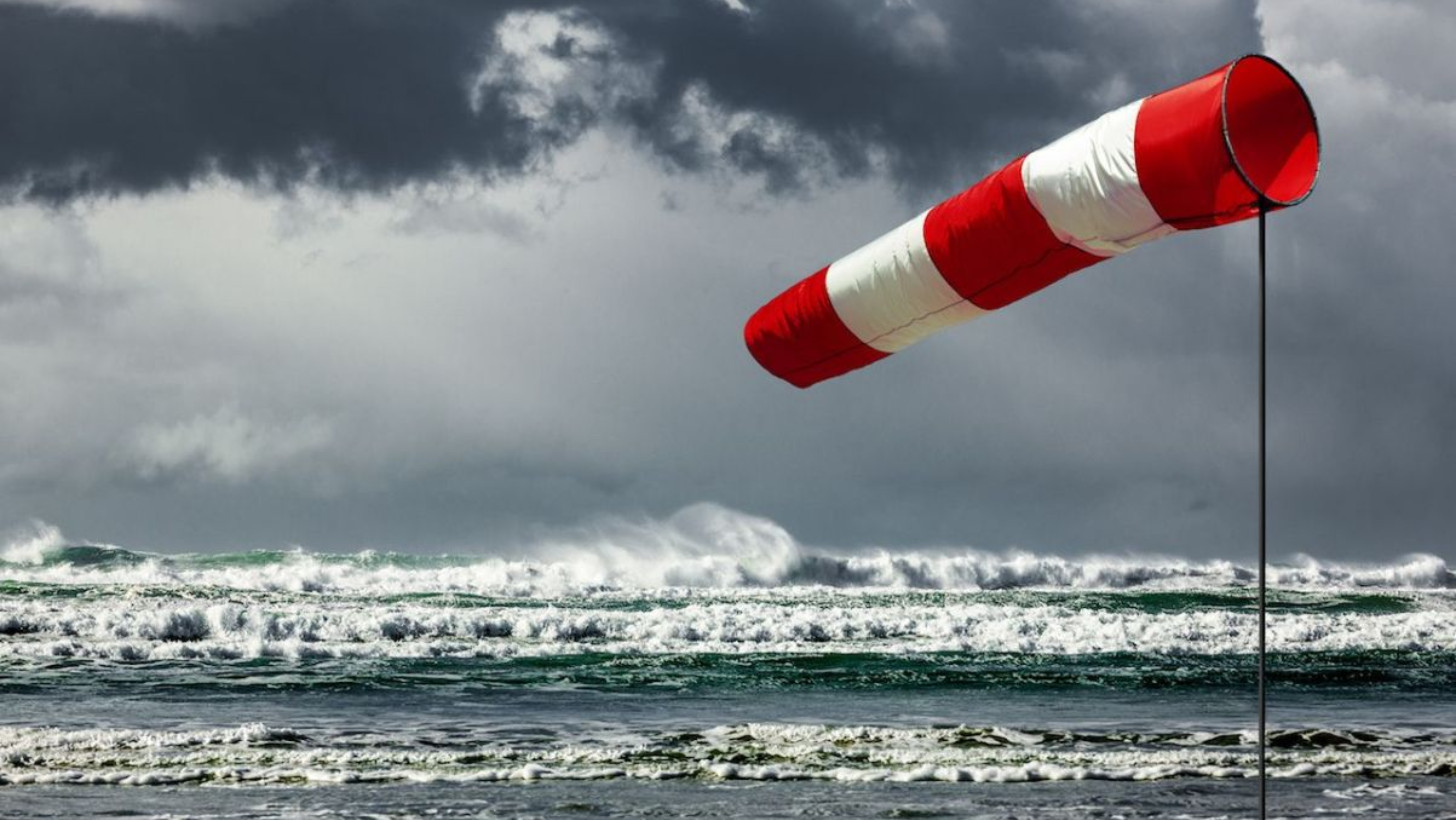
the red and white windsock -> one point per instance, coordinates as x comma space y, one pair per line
1203, 154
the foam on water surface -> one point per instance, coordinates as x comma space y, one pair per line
260, 754
214, 626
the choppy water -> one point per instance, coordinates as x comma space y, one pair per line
712, 667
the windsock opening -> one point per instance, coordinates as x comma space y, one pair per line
1271, 130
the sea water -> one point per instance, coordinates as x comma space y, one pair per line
751, 680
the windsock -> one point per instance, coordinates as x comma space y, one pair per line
1206, 153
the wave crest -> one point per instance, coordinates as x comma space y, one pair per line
703, 546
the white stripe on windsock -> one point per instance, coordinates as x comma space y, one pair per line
1086, 186
890, 294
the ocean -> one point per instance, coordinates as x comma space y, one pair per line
748, 678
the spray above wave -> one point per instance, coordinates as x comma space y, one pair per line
35, 543
704, 546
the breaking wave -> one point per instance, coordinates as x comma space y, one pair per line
704, 546
117, 629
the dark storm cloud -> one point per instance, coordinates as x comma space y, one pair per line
371, 94
939, 85
363, 93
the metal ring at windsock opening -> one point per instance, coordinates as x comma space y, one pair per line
1259, 97
1208, 152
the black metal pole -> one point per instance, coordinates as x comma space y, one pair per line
1263, 544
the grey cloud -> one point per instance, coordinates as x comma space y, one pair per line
444, 214
562, 342
354, 94
1363, 339
944, 88
377, 94
1396, 40
194, 15
225, 446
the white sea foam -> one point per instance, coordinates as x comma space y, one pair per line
117, 628
701, 547
259, 754
1365, 791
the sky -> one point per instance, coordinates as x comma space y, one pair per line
447, 276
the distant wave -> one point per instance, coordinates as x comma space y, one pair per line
701, 547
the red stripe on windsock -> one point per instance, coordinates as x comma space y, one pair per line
1182, 161
799, 338
993, 246
1209, 149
